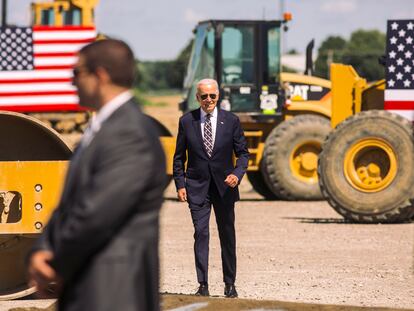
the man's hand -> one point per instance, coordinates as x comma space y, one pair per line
232, 180
41, 275
182, 195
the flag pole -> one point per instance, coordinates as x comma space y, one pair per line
3, 13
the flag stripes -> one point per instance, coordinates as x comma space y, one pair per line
46, 85
399, 92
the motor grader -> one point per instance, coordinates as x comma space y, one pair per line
366, 167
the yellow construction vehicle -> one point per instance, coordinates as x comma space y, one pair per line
366, 165
285, 116
33, 163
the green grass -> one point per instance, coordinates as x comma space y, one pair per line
165, 92
144, 101
142, 97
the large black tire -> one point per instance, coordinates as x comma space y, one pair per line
366, 168
290, 157
258, 183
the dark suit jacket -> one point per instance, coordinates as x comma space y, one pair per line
200, 168
104, 232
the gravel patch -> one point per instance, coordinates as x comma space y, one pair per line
295, 251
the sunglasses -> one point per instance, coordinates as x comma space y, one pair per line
204, 96
78, 71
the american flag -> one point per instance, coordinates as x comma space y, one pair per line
36, 67
399, 92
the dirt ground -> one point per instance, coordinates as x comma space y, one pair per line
165, 110
294, 252
291, 256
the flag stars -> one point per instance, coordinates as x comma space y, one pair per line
394, 26
391, 68
407, 83
401, 33
391, 83
409, 40
400, 47
399, 76
11, 45
410, 26
407, 68
393, 40
412, 77
392, 54
408, 54
400, 62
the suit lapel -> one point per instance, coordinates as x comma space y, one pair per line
219, 130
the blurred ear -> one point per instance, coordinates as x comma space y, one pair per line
103, 75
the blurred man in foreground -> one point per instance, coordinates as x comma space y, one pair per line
100, 248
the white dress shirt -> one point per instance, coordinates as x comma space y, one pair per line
104, 113
213, 120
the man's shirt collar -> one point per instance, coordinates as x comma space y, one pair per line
213, 114
107, 110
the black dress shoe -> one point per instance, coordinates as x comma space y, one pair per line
230, 291
202, 290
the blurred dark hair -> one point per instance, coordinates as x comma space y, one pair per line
115, 56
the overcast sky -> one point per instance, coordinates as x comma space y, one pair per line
159, 29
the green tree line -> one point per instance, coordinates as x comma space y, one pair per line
166, 74
363, 51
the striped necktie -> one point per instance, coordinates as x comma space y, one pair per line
208, 135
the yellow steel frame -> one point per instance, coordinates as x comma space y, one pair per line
37, 202
347, 89
60, 6
255, 149
298, 78
321, 107
317, 107
168, 144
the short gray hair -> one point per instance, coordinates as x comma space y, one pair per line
207, 81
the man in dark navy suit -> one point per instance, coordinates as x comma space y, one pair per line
210, 136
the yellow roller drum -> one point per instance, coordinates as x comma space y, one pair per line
33, 162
